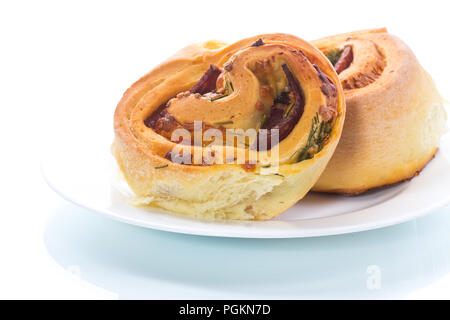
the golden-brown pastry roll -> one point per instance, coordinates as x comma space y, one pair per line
239, 131
395, 116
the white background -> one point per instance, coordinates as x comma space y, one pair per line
70, 61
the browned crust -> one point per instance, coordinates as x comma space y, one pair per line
141, 153
357, 192
392, 89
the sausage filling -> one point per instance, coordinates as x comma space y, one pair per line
285, 112
341, 59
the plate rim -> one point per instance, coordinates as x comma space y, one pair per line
233, 232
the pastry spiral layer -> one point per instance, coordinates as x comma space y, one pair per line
395, 116
239, 131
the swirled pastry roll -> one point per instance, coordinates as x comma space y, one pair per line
395, 116
239, 131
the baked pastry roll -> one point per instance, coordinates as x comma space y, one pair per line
275, 95
395, 116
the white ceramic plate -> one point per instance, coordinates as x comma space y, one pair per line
83, 171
